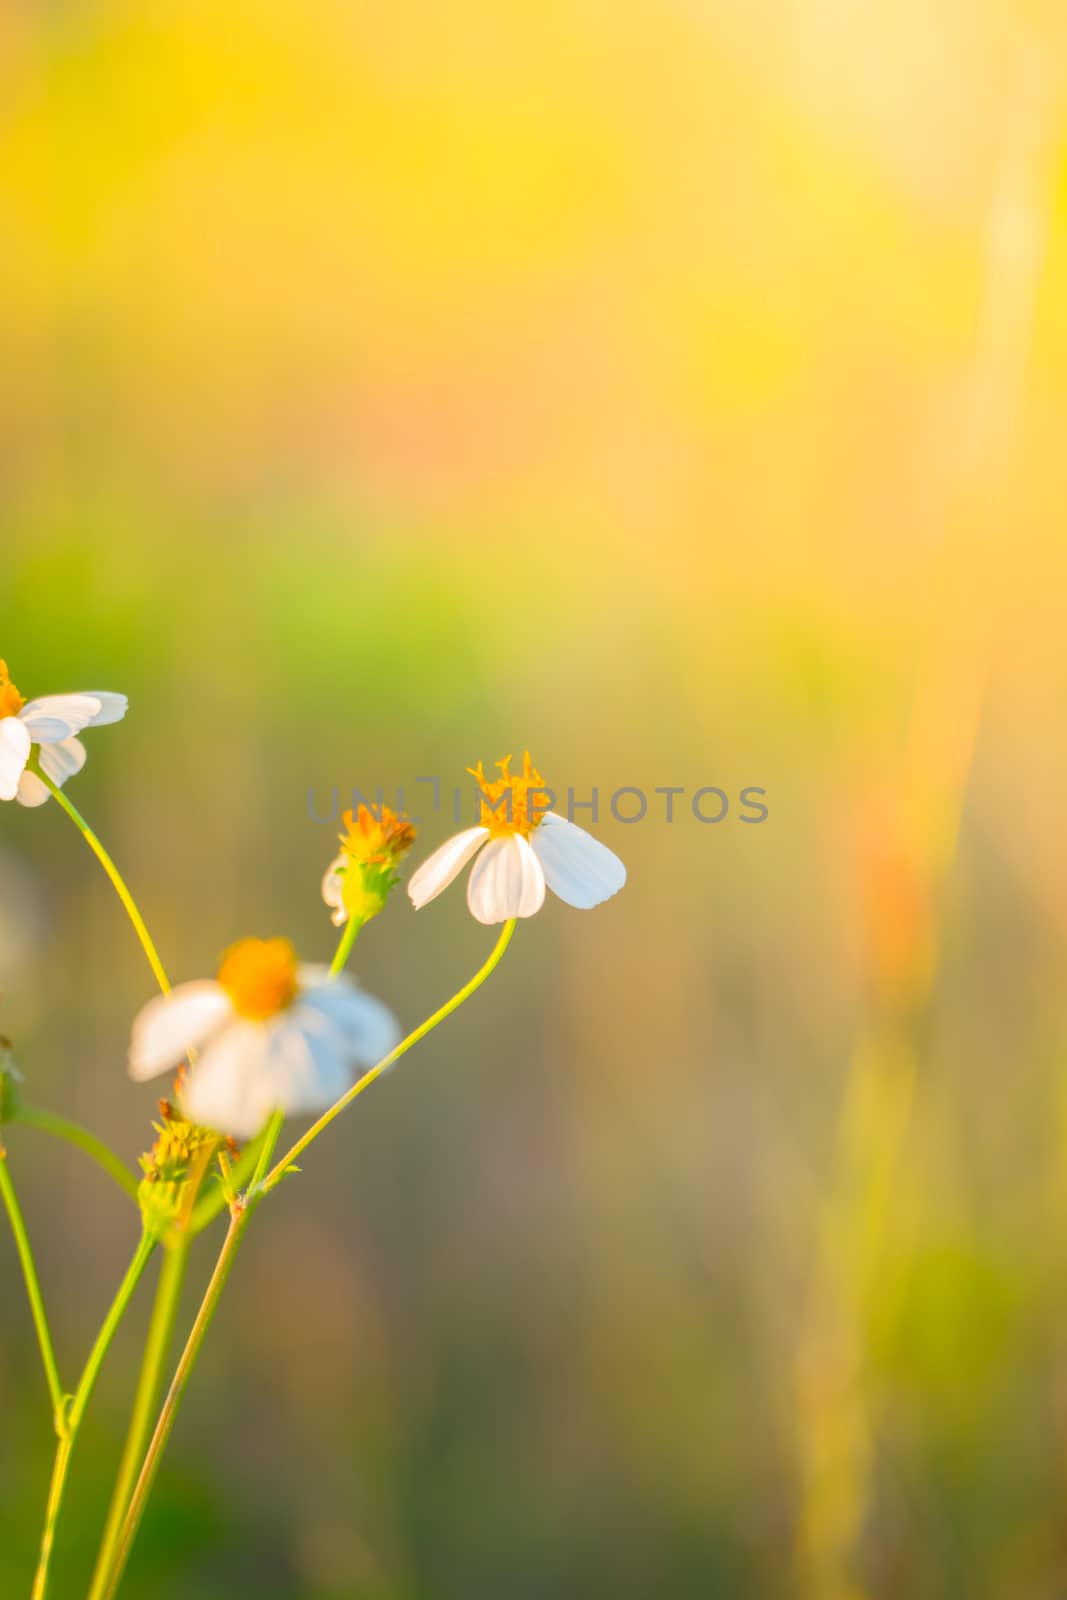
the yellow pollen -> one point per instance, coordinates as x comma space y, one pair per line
506, 801
259, 975
11, 702
377, 839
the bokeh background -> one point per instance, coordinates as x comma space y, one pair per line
679, 390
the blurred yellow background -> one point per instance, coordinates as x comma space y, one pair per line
677, 390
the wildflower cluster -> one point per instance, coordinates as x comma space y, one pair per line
267, 1037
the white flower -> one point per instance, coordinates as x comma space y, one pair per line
269, 1035
52, 724
523, 852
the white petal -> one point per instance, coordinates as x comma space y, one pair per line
229, 1088
366, 1027
113, 708
333, 890
32, 791
57, 716
61, 761
14, 753
578, 868
438, 870
306, 1063
506, 881
171, 1025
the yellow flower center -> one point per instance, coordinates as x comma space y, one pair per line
11, 702
259, 975
376, 839
506, 801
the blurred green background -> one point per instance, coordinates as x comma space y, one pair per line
677, 390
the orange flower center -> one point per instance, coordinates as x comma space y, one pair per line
376, 839
512, 803
259, 975
11, 702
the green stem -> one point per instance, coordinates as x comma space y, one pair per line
240, 1216
63, 1128
275, 1176
344, 948
149, 1385
209, 1206
113, 873
178, 1243
33, 1290
270, 1144
78, 1404
105, 1586
108, 1586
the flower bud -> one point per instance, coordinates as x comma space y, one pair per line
176, 1157
359, 881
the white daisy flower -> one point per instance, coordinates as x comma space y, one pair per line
52, 724
523, 852
270, 1035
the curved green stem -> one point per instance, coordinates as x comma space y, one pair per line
75, 1134
170, 1282
240, 1216
113, 873
149, 1385
275, 1176
344, 948
33, 1290
82, 1395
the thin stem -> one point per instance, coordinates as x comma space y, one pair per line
51, 1516
105, 1586
75, 1134
113, 873
33, 1290
344, 948
149, 1385
270, 1144
240, 1216
209, 1206
76, 1411
150, 1380
121, 1550
275, 1176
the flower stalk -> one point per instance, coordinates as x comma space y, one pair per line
28, 1264
71, 1415
149, 1387
117, 881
